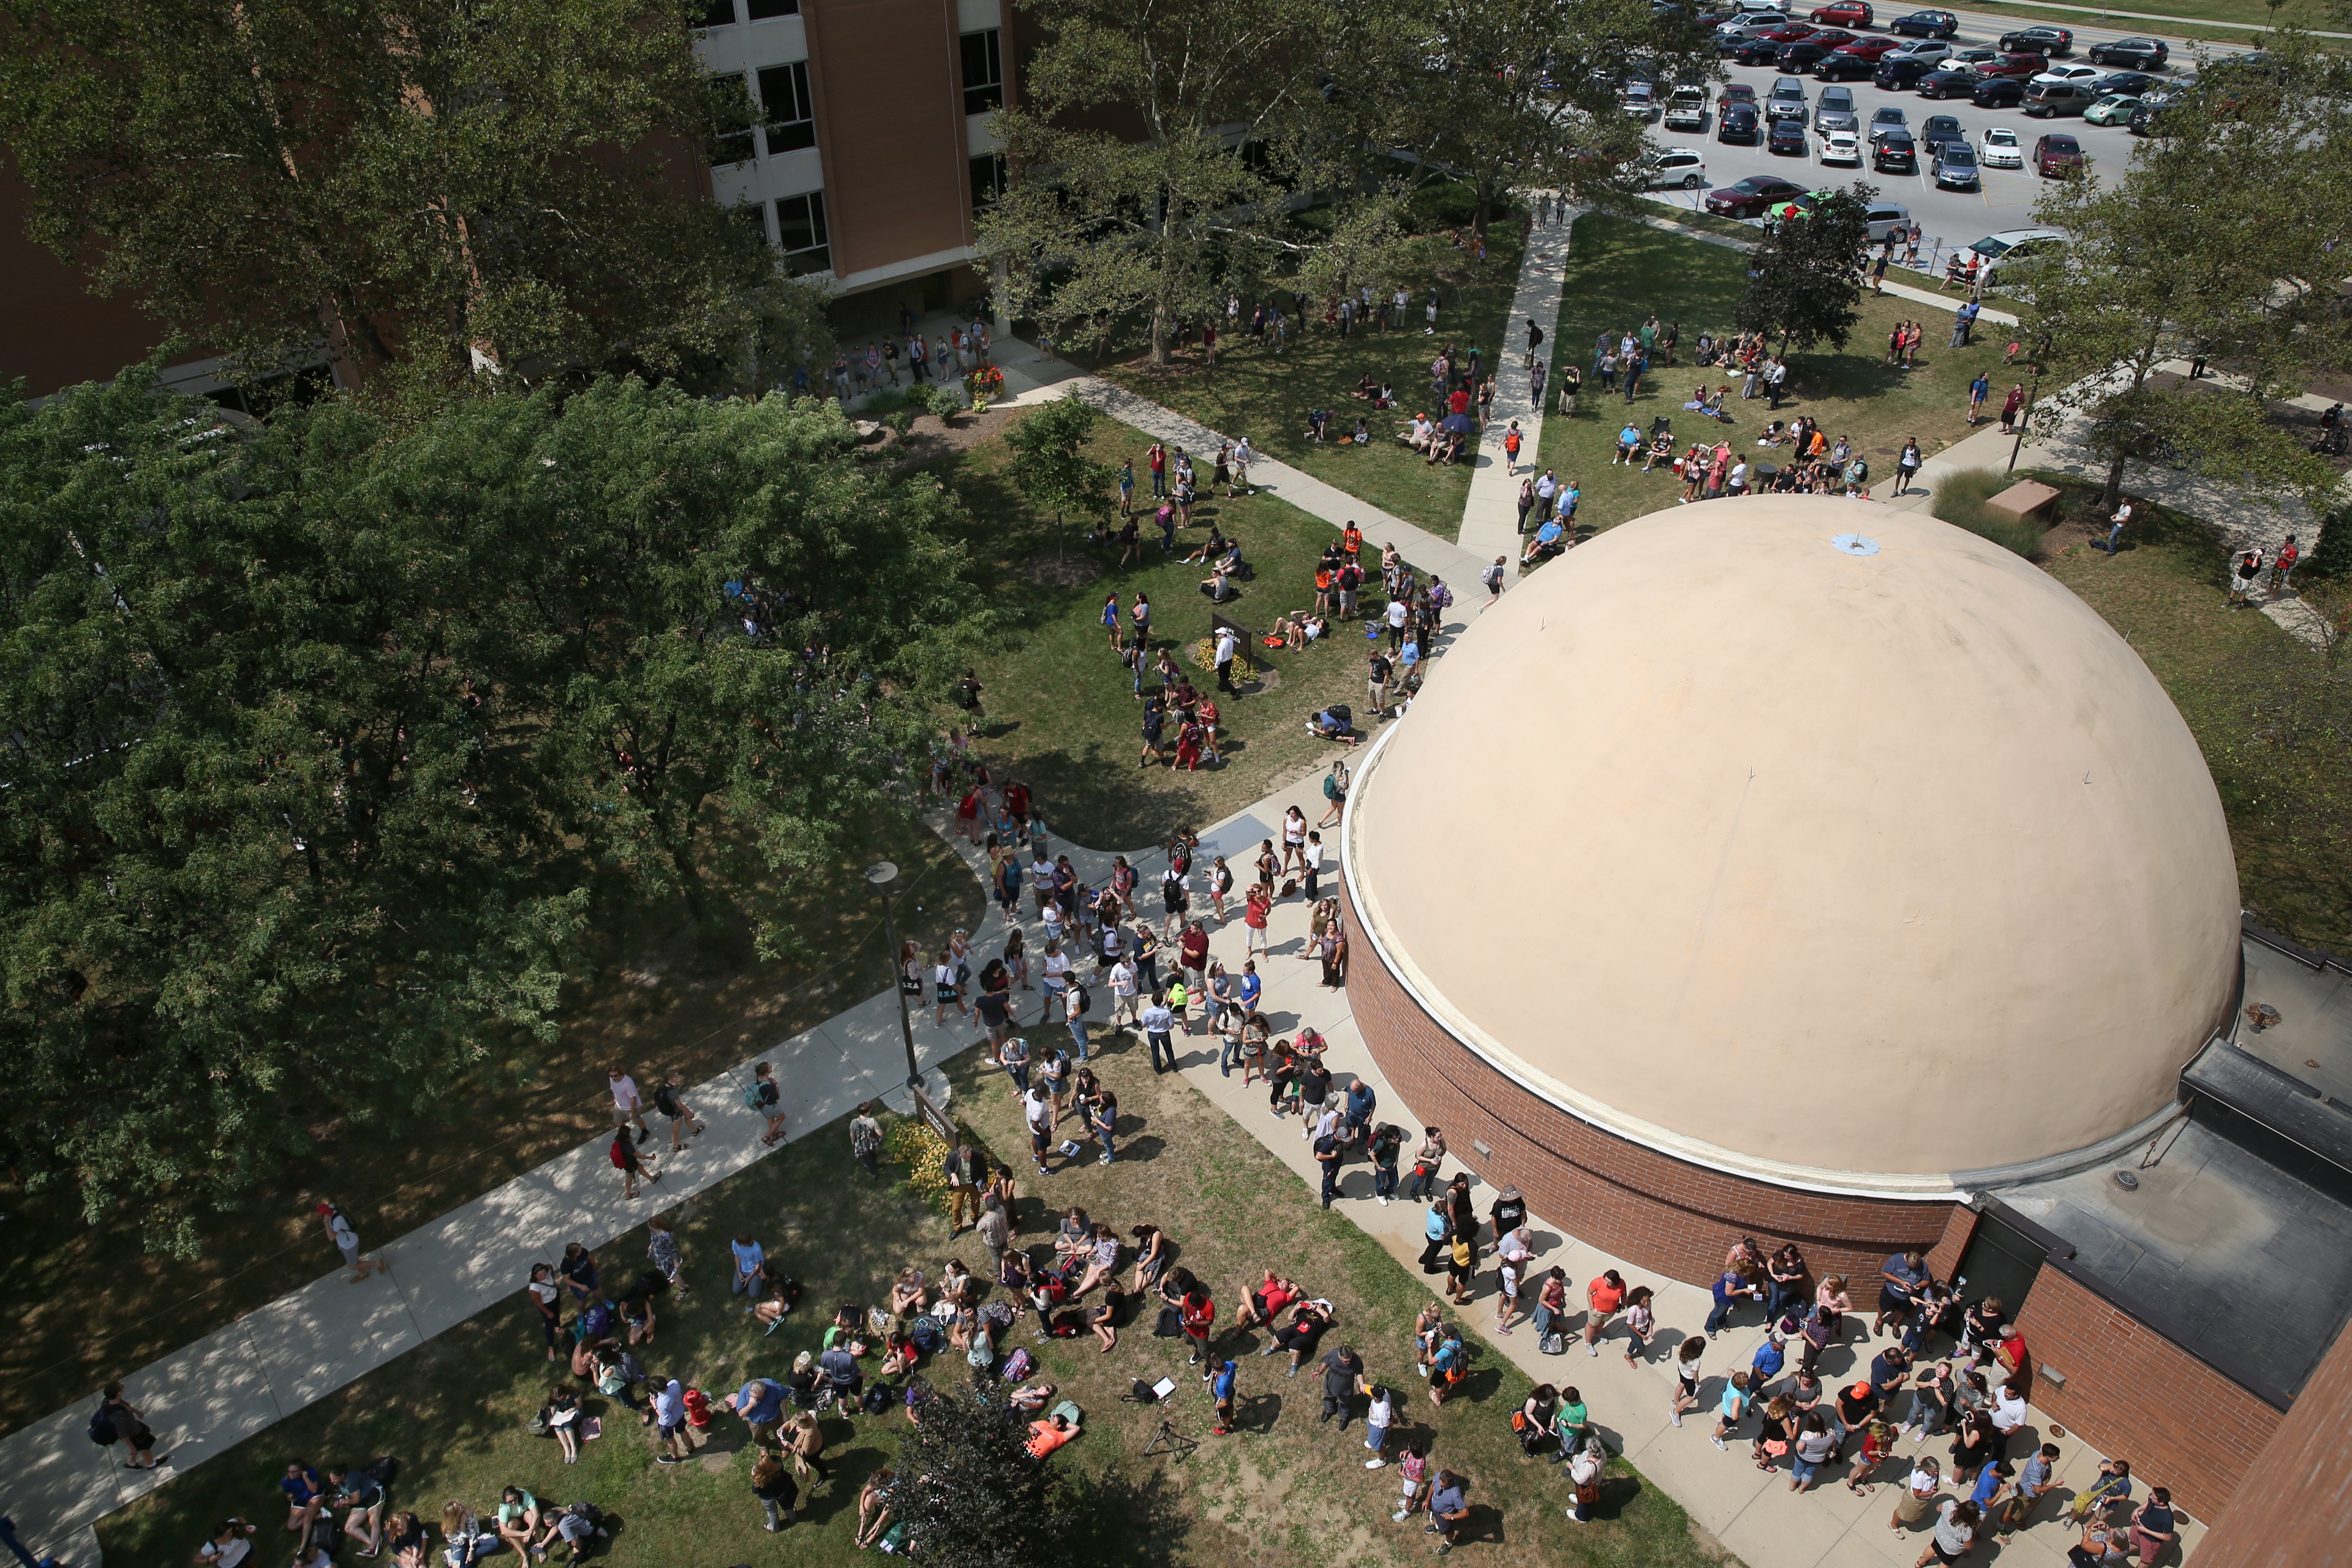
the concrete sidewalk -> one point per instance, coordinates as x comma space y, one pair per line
1490, 518
1033, 380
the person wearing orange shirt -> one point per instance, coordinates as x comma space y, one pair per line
1351, 540
1602, 1297
1050, 1434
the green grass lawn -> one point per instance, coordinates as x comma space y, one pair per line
1256, 393
88, 1300
1621, 272
1061, 711
2266, 710
1282, 1490
2251, 11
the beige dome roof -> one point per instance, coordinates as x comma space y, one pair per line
1849, 870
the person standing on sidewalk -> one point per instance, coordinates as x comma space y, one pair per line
1159, 1022
1907, 465
2283, 565
1979, 390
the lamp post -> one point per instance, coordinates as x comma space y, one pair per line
2025, 414
882, 877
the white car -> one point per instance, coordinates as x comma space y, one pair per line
2070, 74
1994, 250
1674, 168
1842, 147
1999, 149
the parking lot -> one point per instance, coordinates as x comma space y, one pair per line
1951, 218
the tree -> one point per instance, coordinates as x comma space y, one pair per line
970, 1492
1505, 93
1804, 278
2218, 241
320, 737
1050, 466
391, 181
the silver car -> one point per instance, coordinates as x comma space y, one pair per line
1834, 101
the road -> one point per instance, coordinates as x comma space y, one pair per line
1951, 219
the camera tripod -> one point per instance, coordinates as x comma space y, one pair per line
1167, 1440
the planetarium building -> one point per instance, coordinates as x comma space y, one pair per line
1794, 867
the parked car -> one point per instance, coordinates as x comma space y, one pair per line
2010, 245
1750, 197
1687, 109
1997, 92
2113, 109
1802, 57
2055, 156
1948, 80
2050, 100
1896, 155
1888, 120
1895, 73
2147, 115
1939, 128
1674, 168
1740, 123
1854, 62
1833, 100
1737, 92
2086, 75
1999, 149
2130, 84
1953, 165
1787, 138
1882, 216
1641, 101
1919, 49
1842, 147
1786, 100
2137, 54
2024, 67
1971, 57
1838, 119
1734, 37
2038, 40
1845, 14
1926, 25
1760, 48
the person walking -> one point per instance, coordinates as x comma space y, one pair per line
2009, 405
347, 1241
1979, 390
121, 1419
626, 1159
1447, 1505
627, 1108
2283, 565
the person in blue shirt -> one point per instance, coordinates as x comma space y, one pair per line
1629, 441
1568, 498
1728, 1291
761, 1403
1766, 1364
1247, 991
306, 1494
1447, 1509
1546, 537
1361, 1101
1220, 1389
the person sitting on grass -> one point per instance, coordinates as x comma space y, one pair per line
1050, 1434
1215, 585
1544, 541
1363, 435
1211, 547
1318, 420
1661, 450
1422, 434
1367, 387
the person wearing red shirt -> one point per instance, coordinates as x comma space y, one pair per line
1198, 1314
1266, 1303
1253, 918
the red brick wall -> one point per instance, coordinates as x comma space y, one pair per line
2297, 1494
1661, 1213
2136, 1395
1960, 1230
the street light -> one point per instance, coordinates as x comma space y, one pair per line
2025, 414
883, 877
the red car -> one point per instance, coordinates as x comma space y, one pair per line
1832, 38
2055, 156
2021, 66
1794, 33
1845, 14
1870, 49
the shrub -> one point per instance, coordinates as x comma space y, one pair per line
1960, 499
2331, 553
942, 401
900, 420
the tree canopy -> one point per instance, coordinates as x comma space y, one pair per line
320, 736
970, 1492
2221, 238
1804, 278
449, 181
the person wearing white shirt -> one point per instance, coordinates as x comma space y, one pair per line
230, 1545
1125, 1000
1038, 1111
1243, 456
1055, 971
1736, 483
1158, 1021
1075, 1018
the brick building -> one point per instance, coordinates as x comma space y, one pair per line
869, 149
1742, 874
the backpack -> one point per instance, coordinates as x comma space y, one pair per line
383, 1470
325, 1534
876, 1399
1085, 1003
1068, 1325
928, 1337
751, 1094
1171, 1324
1330, 786
1553, 1343
1019, 1365
589, 1511
102, 1428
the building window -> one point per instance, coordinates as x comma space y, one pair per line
983, 73
760, 10
731, 121
791, 118
987, 179
720, 15
752, 215
800, 228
